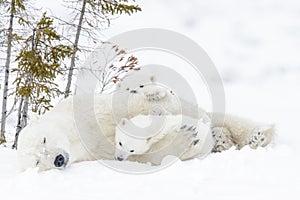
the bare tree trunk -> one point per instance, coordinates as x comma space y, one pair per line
29, 79
6, 72
22, 119
75, 48
19, 124
25, 111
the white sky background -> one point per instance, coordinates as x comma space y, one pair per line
248, 34
248, 40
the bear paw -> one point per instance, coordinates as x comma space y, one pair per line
155, 95
222, 139
191, 130
257, 139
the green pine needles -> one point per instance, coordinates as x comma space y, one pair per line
39, 63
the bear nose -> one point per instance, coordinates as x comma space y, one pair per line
59, 160
120, 158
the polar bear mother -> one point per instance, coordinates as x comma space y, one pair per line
53, 141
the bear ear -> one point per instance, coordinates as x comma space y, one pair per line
148, 140
152, 78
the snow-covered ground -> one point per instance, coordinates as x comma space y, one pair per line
246, 174
255, 44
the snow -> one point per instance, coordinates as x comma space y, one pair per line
248, 174
255, 45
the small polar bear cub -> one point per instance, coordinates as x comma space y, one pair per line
155, 99
146, 134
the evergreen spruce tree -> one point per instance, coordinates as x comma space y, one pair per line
39, 63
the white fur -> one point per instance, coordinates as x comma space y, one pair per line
241, 132
223, 139
62, 137
95, 140
180, 130
161, 100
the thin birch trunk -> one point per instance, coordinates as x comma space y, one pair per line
6, 72
19, 125
75, 48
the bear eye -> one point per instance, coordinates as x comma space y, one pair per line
131, 151
44, 141
120, 143
141, 86
37, 162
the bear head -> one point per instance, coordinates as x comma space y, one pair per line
44, 148
133, 137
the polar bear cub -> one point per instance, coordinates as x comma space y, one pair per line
145, 134
156, 99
